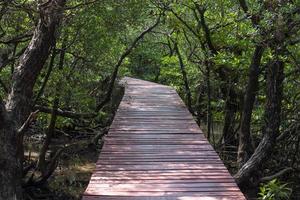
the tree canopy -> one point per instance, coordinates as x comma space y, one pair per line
234, 63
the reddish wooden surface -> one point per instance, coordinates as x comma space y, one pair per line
155, 150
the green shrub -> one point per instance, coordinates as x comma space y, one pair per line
274, 190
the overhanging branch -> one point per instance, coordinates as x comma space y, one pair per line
64, 113
119, 63
276, 175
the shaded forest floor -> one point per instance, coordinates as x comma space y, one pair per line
72, 173
77, 160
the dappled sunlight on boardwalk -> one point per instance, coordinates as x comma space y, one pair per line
155, 150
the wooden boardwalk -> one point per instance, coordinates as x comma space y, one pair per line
154, 150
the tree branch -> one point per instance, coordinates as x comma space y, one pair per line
27, 123
276, 175
18, 39
186, 24
206, 29
81, 5
65, 113
48, 73
119, 63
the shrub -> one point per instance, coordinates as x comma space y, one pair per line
274, 190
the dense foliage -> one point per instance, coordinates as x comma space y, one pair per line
235, 63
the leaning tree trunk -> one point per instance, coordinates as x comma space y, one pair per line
18, 105
245, 149
274, 86
31, 63
33, 60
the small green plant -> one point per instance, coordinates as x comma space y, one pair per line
274, 190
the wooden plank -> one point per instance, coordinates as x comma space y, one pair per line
195, 192
191, 187
186, 197
195, 174
154, 150
160, 166
151, 157
117, 180
152, 173
159, 132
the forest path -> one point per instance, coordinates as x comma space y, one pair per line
155, 150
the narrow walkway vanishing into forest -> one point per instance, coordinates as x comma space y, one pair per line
155, 150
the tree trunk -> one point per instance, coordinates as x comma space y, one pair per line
47, 76
274, 89
231, 107
185, 79
33, 60
18, 105
41, 165
31, 63
10, 168
209, 113
42, 157
199, 107
245, 149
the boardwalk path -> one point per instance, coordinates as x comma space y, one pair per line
154, 150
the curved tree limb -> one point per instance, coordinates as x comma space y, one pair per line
65, 113
27, 123
276, 175
119, 63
